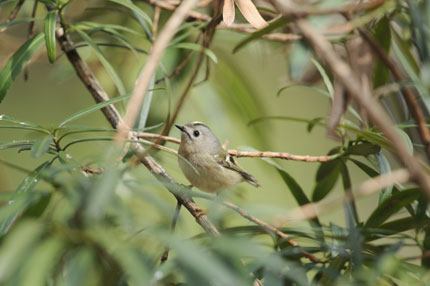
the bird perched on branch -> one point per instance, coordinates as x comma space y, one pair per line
205, 163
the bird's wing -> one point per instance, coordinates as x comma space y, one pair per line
228, 162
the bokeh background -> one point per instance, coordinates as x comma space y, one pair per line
241, 87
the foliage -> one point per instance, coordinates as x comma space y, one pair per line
71, 222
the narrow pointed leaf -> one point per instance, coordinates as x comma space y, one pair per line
258, 34
134, 9
92, 108
392, 205
19, 21
41, 145
27, 185
50, 24
17, 62
114, 76
198, 48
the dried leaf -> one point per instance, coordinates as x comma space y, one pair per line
228, 12
251, 14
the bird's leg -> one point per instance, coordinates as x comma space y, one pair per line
172, 228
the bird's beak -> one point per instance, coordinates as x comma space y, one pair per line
182, 128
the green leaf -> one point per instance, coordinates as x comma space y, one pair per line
19, 21
92, 108
259, 33
325, 77
363, 149
383, 36
134, 9
179, 37
197, 48
27, 185
114, 76
17, 62
298, 59
45, 257
41, 145
50, 25
316, 89
347, 186
384, 168
146, 105
297, 193
38, 205
15, 144
17, 246
326, 183
391, 206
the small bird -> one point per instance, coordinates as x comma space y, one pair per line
208, 166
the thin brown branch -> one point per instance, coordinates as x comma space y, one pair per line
359, 93
93, 171
281, 155
312, 210
269, 228
150, 67
13, 14
266, 226
112, 115
253, 154
407, 92
300, 11
170, 7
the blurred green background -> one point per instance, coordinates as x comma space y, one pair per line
241, 87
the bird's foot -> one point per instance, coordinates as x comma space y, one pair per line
200, 213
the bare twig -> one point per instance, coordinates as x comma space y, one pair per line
368, 187
282, 155
360, 93
266, 226
13, 14
151, 64
300, 11
253, 154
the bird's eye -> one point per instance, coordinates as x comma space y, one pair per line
196, 133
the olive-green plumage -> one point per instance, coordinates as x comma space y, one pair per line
208, 166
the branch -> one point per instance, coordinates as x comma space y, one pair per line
360, 93
267, 227
236, 153
368, 187
112, 115
300, 11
